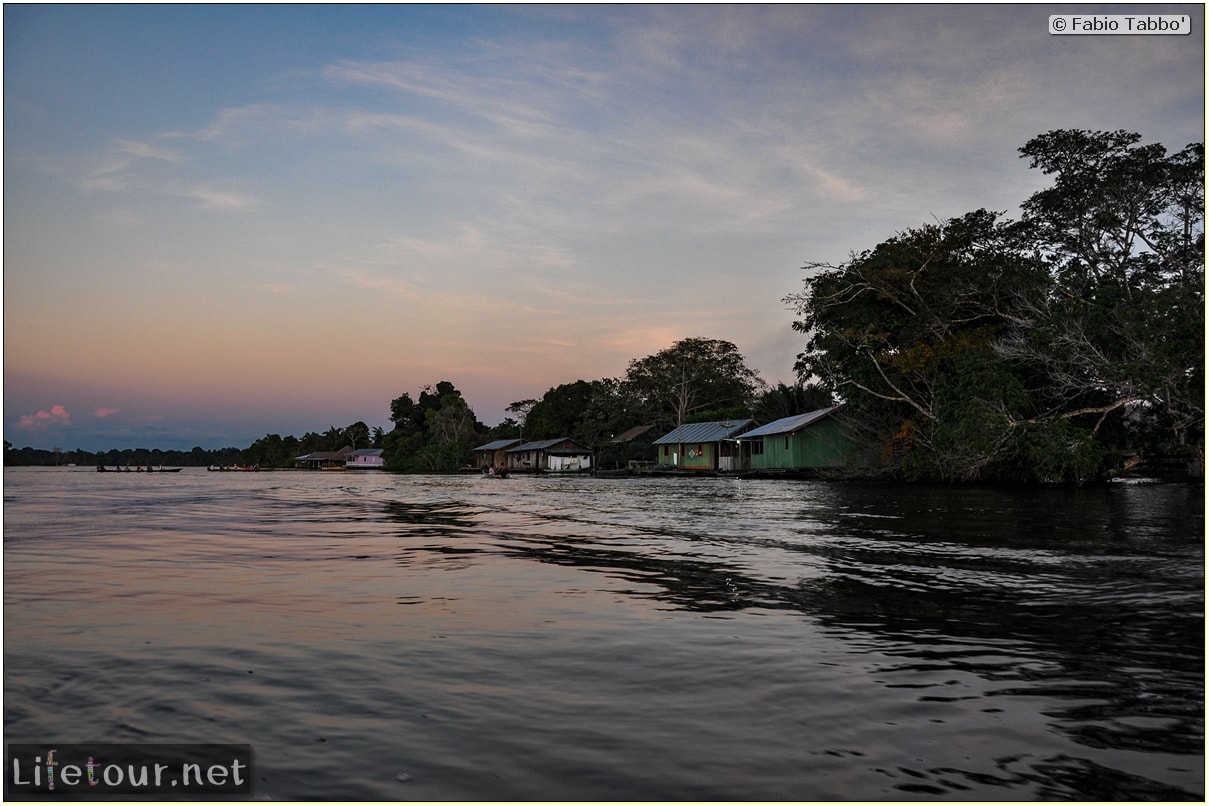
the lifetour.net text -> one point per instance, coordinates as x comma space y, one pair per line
185, 770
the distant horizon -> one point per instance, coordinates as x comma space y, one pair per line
233, 220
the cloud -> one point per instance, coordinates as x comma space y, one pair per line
146, 150
213, 198
57, 416
105, 412
151, 169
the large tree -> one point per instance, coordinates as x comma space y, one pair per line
978, 348
432, 435
692, 375
1120, 329
904, 333
784, 400
559, 412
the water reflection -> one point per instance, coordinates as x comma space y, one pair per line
1059, 595
572, 638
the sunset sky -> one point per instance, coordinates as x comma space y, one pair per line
225, 221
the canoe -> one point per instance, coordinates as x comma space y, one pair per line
103, 469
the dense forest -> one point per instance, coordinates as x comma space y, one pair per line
978, 348
1044, 349
130, 457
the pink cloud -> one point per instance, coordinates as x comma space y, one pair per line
103, 412
58, 415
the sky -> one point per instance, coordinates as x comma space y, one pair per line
227, 221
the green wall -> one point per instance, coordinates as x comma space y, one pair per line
703, 462
822, 444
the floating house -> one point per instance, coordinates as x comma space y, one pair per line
562, 455
704, 447
365, 459
629, 450
494, 454
811, 441
324, 460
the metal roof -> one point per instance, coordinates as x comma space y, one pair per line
631, 434
787, 425
498, 445
703, 432
367, 452
542, 445
321, 455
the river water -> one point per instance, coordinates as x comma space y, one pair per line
375, 636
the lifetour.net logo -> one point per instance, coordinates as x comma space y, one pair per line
183, 770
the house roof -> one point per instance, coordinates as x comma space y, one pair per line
787, 425
326, 455
633, 433
498, 445
704, 432
367, 452
544, 444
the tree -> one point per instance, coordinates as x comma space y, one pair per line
692, 375
1120, 331
334, 438
433, 435
783, 401
521, 409
977, 348
357, 435
904, 334
560, 411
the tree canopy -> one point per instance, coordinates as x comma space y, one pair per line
1037, 349
693, 375
433, 435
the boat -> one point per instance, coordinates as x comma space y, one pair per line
138, 469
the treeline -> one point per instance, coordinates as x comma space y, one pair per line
1044, 349
274, 450
694, 380
130, 457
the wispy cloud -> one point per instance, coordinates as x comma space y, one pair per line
145, 150
213, 198
57, 416
105, 412
135, 168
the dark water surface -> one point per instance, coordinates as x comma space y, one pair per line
424, 638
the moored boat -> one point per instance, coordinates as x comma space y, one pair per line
138, 469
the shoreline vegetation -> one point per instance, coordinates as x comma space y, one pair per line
1066, 347
1185, 467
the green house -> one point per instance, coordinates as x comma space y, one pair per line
704, 447
810, 441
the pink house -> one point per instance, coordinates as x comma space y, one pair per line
365, 459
